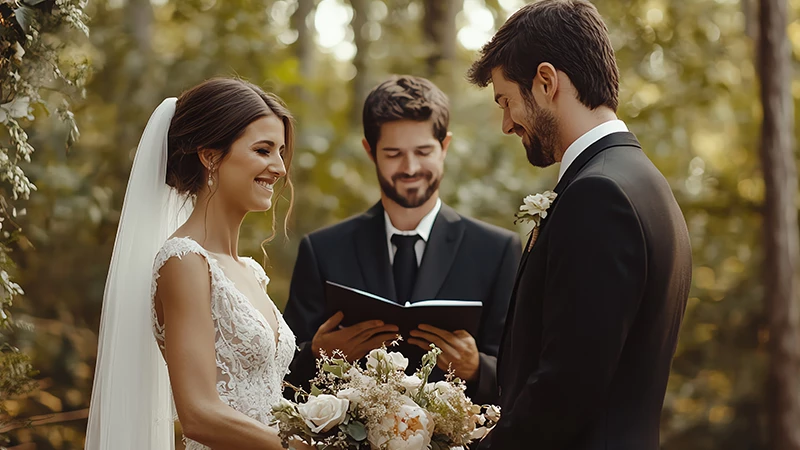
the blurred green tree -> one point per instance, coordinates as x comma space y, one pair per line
689, 92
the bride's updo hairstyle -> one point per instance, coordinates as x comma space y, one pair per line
213, 115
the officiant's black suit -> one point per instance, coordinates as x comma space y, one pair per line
464, 259
597, 304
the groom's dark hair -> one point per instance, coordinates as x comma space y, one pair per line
405, 97
569, 34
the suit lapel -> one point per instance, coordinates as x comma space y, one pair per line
440, 252
373, 254
619, 139
611, 140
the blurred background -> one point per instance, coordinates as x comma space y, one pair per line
689, 91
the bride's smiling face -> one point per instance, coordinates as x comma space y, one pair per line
246, 176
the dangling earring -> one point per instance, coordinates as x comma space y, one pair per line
210, 180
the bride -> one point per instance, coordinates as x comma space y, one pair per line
204, 161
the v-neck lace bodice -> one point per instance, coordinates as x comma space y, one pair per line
250, 363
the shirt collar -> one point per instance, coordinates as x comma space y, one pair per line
423, 228
586, 140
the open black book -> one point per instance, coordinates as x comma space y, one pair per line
358, 306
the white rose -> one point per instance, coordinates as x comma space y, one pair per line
323, 412
374, 357
400, 362
350, 394
479, 433
19, 52
493, 413
535, 204
411, 383
411, 428
442, 386
391, 360
18, 107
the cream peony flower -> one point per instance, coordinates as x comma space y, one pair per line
411, 428
323, 412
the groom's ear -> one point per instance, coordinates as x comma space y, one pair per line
545, 83
370, 153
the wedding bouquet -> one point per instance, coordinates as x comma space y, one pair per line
381, 408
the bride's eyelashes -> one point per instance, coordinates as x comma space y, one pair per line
263, 151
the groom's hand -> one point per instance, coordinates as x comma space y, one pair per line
458, 349
354, 341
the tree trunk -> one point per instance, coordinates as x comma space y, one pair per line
304, 45
781, 246
439, 28
139, 25
359, 86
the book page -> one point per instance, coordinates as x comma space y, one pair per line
444, 303
364, 293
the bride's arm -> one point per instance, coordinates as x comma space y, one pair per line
184, 292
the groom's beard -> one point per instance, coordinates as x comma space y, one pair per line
415, 197
540, 146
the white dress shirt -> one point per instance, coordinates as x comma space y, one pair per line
586, 140
423, 230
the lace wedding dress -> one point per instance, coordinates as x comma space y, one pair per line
250, 365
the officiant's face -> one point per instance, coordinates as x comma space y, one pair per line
409, 161
522, 115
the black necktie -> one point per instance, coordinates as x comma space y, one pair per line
404, 266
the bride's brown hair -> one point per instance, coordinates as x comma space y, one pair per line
213, 115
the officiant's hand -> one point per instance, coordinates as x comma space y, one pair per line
354, 341
458, 348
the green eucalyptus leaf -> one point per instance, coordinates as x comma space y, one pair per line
356, 430
24, 16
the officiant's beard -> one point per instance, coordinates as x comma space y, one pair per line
415, 197
541, 145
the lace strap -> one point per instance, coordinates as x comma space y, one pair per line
261, 275
177, 248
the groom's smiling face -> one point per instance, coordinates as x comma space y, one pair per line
409, 161
535, 125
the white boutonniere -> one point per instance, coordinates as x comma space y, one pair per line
534, 209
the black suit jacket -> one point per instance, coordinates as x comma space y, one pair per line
594, 318
464, 259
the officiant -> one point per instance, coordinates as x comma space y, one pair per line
408, 247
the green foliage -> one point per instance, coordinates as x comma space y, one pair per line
688, 91
30, 63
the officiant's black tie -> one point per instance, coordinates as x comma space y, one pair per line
404, 266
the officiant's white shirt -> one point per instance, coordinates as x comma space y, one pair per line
586, 140
423, 230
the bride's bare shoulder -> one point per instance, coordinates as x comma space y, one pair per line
181, 269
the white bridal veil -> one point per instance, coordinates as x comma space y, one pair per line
131, 403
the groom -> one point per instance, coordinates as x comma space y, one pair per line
600, 293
